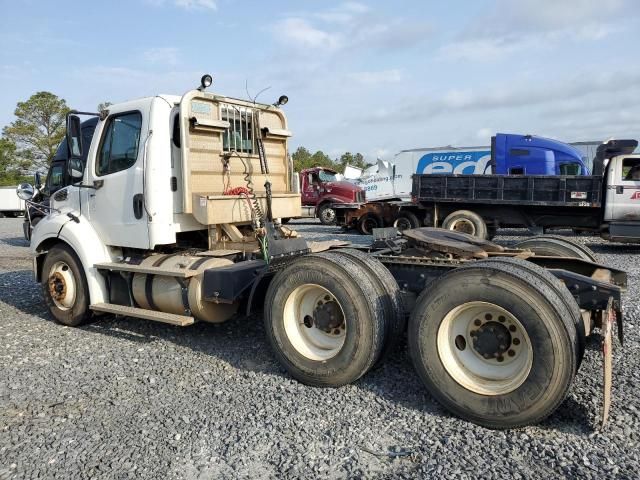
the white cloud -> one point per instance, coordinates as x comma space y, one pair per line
525, 25
162, 56
351, 26
299, 33
197, 4
187, 4
375, 77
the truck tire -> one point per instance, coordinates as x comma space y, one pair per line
466, 221
369, 221
325, 320
64, 286
406, 220
327, 214
572, 307
496, 385
557, 246
395, 314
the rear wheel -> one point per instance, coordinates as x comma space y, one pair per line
493, 344
64, 286
557, 246
406, 220
572, 310
327, 215
369, 221
466, 221
325, 320
388, 291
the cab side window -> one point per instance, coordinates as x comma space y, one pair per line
120, 143
631, 169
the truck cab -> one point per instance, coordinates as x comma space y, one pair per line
621, 216
57, 176
513, 154
320, 189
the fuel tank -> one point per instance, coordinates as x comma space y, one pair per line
166, 294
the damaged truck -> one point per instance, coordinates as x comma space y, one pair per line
173, 214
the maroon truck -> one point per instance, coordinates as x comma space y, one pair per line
320, 189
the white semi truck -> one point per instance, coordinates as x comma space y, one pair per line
174, 217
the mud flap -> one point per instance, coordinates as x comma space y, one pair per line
607, 356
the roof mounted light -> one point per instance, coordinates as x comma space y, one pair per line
205, 82
281, 101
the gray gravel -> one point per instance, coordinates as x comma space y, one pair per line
126, 398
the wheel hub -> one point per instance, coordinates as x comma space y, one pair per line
491, 340
57, 286
327, 316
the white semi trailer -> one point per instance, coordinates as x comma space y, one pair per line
10, 204
174, 218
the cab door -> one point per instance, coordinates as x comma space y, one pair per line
623, 190
310, 188
116, 169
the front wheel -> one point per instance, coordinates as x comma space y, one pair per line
64, 286
327, 214
494, 345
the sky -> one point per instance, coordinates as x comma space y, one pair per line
373, 77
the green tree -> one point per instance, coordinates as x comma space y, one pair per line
38, 129
11, 167
356, 160
103, 106
303, 158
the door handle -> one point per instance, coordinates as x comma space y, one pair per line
619, 189
138, 204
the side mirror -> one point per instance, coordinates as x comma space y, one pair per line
25, 191
75, 168
37, 177
74, 136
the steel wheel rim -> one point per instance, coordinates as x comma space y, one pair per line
307, 305
328, 214
61, 285
473, 354
402, 224
463, 225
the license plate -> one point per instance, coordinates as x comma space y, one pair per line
579, 195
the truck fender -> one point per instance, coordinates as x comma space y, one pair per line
84, 241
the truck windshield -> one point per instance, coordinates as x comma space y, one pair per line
326, 176
569, 169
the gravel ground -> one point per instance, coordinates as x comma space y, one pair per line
127, 398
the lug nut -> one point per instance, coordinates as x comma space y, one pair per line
512, 328
516, 341
501, 319
336, 331
511, 353
488, 316
500, 358
477, 322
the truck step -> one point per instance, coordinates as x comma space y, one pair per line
167, 272
171, 318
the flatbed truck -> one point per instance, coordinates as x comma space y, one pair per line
606, 203
145, 230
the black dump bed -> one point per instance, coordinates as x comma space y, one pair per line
578, 191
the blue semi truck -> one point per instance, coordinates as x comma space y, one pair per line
509, 154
